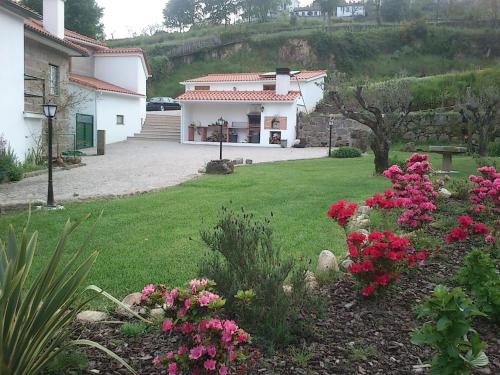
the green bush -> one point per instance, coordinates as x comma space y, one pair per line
494, 149
459, 189
481, 279
243, 257
449, 332
10, 168
346, 152
133, 329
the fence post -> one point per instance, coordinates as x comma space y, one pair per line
101, 142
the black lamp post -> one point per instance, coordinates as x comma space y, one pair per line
220, 122
330, 124
49, 110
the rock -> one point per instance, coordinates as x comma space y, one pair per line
346, 263
287, 289
202, 170
363, 210
249, 161
445, 193
363, 231
220, 167
410, 147
132, 301
311, 282
91, 316
238, 161
157, 313
327, 262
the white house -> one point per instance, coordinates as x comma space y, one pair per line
309, 11
95, 86
257, 108
288, 5
351, 10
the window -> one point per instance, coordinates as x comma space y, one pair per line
53, 80
202, 88
120, 120
269, 87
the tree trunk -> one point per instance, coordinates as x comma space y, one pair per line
380, 148
483, 140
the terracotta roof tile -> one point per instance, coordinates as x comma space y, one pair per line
239, 96
37, 26
245, 77
99, 85
119, 50
84, 38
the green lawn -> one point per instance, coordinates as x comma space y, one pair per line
146, 238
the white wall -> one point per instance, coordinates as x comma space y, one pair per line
350, 10
208, 113
18, 131
83, 66
125, 71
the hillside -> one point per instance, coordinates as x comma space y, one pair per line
364, 51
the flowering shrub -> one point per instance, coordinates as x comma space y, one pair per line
342, 211
412, 190
208, 344
379, 258
467, 227
486, 194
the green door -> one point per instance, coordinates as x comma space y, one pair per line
84, 131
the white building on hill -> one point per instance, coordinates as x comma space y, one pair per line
257, 108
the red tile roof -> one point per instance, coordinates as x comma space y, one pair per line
119, 50
99, 85
37, 26
84, 38
245, 77
238, 96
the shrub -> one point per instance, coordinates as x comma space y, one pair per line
379, 258
342, 212
459, 189
481, 279
133, 329
494, 149
486, 193
10, 169
346, 152
37, 314
458, 346
208, 344
467, 228
245, 258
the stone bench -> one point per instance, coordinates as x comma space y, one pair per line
447, 152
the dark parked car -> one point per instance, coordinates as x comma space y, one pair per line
162, 104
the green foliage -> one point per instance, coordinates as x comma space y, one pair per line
346, 152
67, 361
83, 17
133, 329
245, 258
159, 67
394, 10
458, 346
10, 168
459, 188
482, 161
36, 315
395, 160
494, 149
481, 279
363, 353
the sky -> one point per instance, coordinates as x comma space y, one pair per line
122, 18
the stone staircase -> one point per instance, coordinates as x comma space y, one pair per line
160, 127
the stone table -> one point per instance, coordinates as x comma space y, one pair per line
447, 152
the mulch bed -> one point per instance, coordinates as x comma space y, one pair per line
353, 336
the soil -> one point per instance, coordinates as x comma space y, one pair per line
354, 335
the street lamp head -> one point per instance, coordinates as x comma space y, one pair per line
330, 121
220, 121
49, 109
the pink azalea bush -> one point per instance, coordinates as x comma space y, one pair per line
467, 228
208, 343
486, 194
412, 191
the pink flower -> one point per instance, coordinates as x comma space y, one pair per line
170, 355
147, 291
182, 350
211, 350
489, 238
210, 364
156, 361
479, 228
167, 325
172, 368
187, 303
196, 352
222, 370
465, 221
367, 290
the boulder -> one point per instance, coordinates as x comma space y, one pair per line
132, 301
287, 289
238, 161
220, 167
327, 262
157, 313
249, 161
445, 193
363, 210
311, 282
202, 170
346, 263
91, 316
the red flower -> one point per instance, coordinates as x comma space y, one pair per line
456, 234
465, 221
342, 211
367, 290
480, 228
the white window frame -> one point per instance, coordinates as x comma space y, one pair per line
54, 80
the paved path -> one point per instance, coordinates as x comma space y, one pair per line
138, 166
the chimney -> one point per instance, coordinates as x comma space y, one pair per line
53, 17
282, 81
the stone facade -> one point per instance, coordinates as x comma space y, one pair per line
37, 58
422, 127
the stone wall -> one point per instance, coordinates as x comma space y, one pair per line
422, 127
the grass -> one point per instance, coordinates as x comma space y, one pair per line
146, 238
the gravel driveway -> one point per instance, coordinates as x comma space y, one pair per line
138, 166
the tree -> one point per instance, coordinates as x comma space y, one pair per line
220, 11
394, 10
263, 8
83, 17
328, 7
479, 110
247, 8
383, 108
181, 13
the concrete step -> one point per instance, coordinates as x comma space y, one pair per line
149, 126
153, 138
146, 134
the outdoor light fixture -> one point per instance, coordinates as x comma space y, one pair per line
262, 108
49, 110
221, 123
330, 124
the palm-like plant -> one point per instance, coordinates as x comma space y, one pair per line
34, 316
